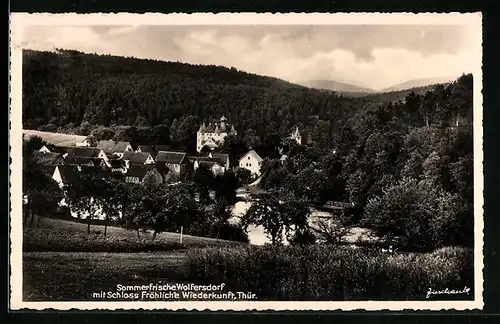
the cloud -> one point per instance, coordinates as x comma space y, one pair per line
375, 56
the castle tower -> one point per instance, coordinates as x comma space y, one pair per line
233, 131
296, 136
223, 124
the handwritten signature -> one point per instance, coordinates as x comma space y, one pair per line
447, 291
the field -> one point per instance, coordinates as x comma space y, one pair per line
75, 276
58, 139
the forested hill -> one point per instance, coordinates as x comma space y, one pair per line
70, 88
74, 92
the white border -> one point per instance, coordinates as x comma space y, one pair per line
20, 20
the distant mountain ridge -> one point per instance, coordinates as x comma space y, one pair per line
335, 86
415, 83
354, 90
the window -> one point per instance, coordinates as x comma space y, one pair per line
249, 158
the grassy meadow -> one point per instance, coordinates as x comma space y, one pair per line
62, 262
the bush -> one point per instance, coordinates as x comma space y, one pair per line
232, 232
326, 272
228, 231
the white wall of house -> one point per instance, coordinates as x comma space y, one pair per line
176, 168
44, 149
85, 143
251, 162
149, 160
57, 177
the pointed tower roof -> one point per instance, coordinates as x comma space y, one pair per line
217, 130
232, 131
222, 119
210, 128
202, 128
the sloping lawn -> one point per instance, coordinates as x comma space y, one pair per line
66, 236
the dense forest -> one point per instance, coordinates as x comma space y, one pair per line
70, 91
403, 159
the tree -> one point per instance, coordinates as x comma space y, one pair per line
233, 146
42, 192
278, 218
174, 207
115, 196
159, 134
332, 229
86, 195
203, 179
418, 214
225, 187
266, 213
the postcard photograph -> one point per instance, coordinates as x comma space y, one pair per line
246, 161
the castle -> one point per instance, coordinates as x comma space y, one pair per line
213, 135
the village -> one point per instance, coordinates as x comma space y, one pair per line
157, 164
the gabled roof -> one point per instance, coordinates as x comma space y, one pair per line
222, 157
148, 149
254, 154
209, 129
170, 157
208, 164
116, 163
112, 146
162, 168
71, 173
78, 151
138, 170
80, 160
136, 157
219, 161
48, 158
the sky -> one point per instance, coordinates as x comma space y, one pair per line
373, 56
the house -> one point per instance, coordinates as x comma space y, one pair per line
175, 161
44, 149
146, 149
89, 152
223, 158
137, 173
66, 174
84, 160
48, 161
85, 143
112, 147
213, 134
168, 175
251, 161
138, 158
117, 166
214, 166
